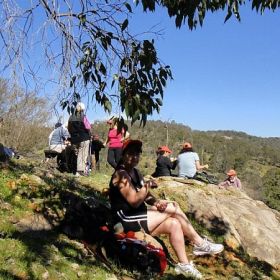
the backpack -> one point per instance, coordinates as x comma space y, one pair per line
206, 178
89, 220
87, 123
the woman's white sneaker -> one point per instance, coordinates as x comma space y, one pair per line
207, 248
188, 270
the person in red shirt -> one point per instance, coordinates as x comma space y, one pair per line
115, 141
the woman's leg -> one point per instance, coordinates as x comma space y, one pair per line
118, 154
111, 158
170, 226
82, 156
173, 210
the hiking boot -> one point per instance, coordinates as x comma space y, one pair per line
188, 270
207, 248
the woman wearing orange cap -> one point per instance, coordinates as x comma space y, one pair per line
231, 180
164, 163
188, 162
135, 208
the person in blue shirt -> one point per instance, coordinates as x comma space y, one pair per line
57, 138
188, 162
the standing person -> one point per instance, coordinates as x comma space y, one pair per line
129, 196
231, 180
79, 129
164, 163
188, 162
96, 146
115, 141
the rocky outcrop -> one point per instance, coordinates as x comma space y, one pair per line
243, 221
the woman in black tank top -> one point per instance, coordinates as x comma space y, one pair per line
133, 205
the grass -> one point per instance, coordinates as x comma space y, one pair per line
49, 254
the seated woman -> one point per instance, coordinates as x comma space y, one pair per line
164, 163
231, 180
129, 196
188, 162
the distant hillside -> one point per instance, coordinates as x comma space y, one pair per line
256, 159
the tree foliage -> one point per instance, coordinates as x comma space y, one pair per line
193, 13
271, 188
90, 45
91, 50
25, 117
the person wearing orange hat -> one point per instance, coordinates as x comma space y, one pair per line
164, 163
188, 162
136, 209
231, 180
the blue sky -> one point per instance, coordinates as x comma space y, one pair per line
226, 76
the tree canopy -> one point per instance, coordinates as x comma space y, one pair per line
92, 51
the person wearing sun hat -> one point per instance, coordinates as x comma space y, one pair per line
136, 209
231, 180
164, 164
188, 162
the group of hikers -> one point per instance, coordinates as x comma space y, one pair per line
132, 203
78, 151
189, 166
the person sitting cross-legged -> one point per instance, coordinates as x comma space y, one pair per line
136, 209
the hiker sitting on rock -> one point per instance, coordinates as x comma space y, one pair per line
231, 180
57, 138
164, 163
136, 209
188, 162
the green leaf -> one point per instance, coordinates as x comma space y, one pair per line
102, 69
124, 24
128, 7
97, 96
127, 108
113, 83
108, 106
159, 101
82, 18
